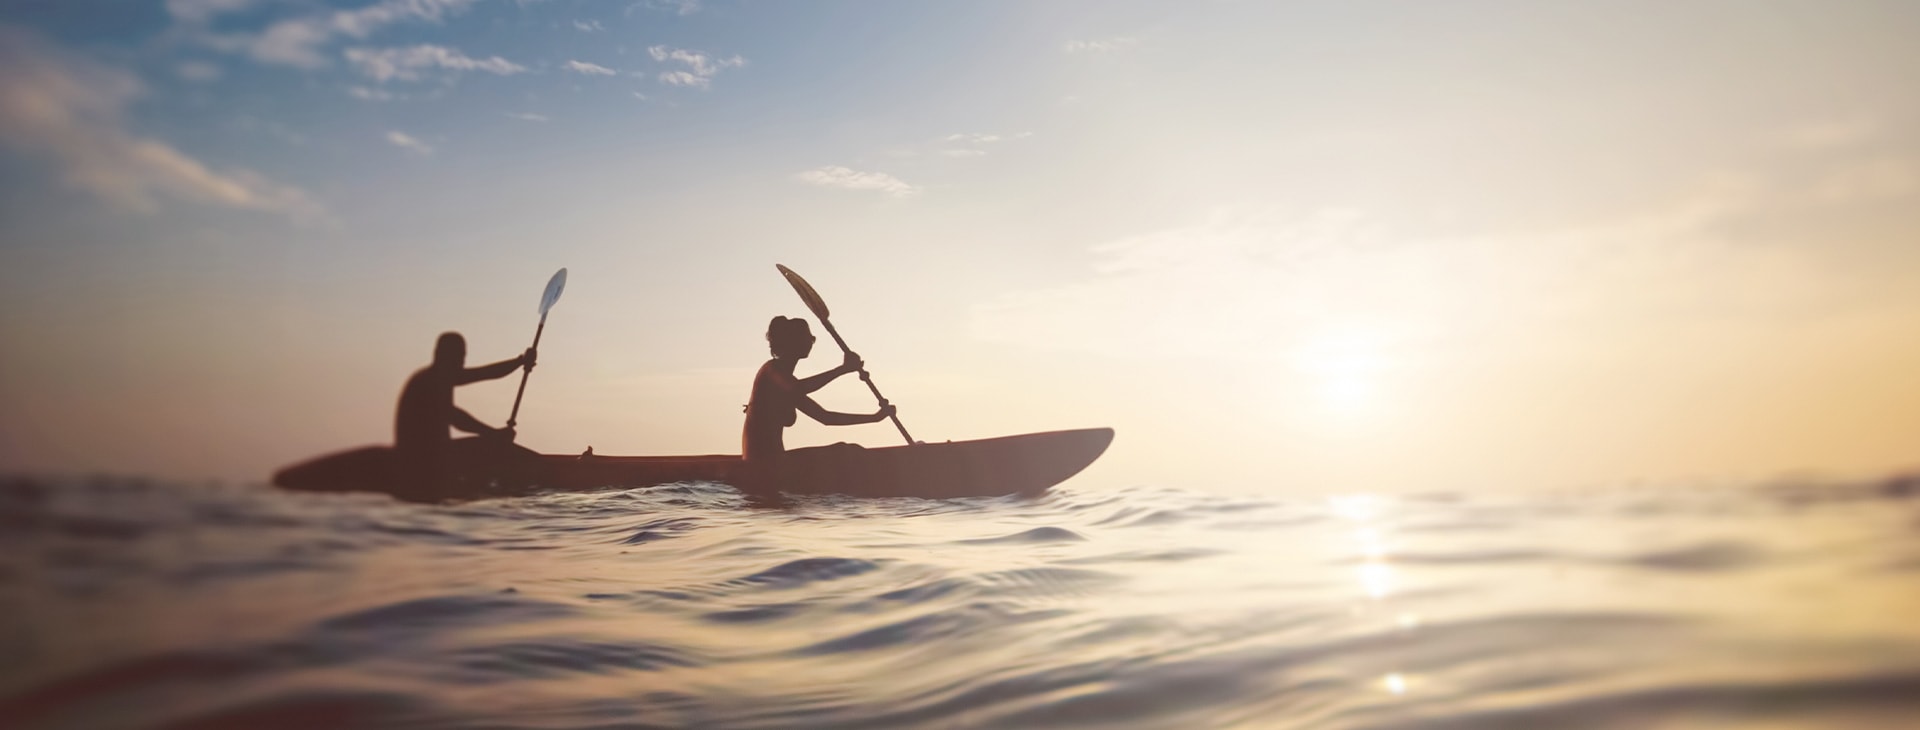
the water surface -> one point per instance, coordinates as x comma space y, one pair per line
143, 604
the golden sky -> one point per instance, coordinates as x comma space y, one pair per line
1297, 247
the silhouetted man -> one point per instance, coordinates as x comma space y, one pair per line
426, 410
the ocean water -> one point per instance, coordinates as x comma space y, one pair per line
143, 604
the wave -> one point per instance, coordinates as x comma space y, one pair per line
147, 604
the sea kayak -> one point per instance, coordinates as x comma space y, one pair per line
1026, 464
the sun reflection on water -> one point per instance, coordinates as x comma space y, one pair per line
1375, 571
1395, 683
1355, 507
1376, 579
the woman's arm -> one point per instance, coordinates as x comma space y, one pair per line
852, 363
836, 418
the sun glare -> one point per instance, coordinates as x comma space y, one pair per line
1344, 368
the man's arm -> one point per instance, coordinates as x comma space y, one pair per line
466, 422
496, 370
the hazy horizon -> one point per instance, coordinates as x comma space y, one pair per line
1304, 247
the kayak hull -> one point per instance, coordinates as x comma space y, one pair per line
1025, 464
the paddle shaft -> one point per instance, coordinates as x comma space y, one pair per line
865, 378
511, 419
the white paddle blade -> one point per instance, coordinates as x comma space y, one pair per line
554, 287
806, 292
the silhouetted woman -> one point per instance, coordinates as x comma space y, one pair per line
777, 394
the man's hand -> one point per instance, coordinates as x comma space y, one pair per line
504, 434
527, 358
852, 363
886, 411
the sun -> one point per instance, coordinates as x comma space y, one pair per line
1343, 368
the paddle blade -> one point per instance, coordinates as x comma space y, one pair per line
806, 292
554, 287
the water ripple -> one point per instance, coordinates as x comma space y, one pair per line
1035, 536
136, 604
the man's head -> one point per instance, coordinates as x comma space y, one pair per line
789, 337
450, 351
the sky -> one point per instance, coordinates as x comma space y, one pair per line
1280, 247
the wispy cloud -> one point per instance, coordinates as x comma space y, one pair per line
677, 7
70, 112
972, 144
973, 138
589, 69
589, 26
298, 41
683, 78
700, 67
197, 71
255, 125
527, 116
1260, 282
835, 176
367, 94
1101, 46
200, 11
407, 64
407, 142
1831, 133
1868, 181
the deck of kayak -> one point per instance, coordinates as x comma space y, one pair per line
1023, 464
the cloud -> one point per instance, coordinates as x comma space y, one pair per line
297, 42
681, 8
407, 142
1104, 46
973, 138
197, 71
835, 176
201, 11
683, 78
1831, 133
589, 26
972, 144
589, 69
527, 116
406, 64
966, 144
366, 94
71, 112
255, 125
1868, 181
290, 43
700, 68
1264, 284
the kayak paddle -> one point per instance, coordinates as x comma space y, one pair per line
554, 286
819, 307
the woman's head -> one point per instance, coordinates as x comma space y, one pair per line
789, 337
